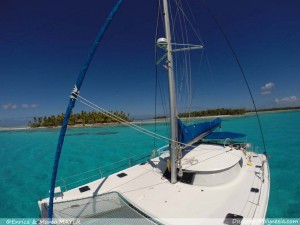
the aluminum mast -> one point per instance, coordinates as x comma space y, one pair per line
172, 96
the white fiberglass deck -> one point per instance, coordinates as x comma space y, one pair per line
147, 190
209, 159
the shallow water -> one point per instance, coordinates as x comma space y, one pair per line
27, 158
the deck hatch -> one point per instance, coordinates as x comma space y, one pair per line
84, 189
255, 190
121, 175
233, 219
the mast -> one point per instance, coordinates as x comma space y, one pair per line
172, 96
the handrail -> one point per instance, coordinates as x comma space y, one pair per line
99, 172
163, 149
226, 141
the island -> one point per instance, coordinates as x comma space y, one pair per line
95, 118
78, 119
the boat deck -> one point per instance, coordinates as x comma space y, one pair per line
144, 187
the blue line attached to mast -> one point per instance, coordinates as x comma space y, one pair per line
71, 104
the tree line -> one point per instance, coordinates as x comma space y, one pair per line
81, 118
209, 112
84, 118
276, 109
214, 112
223, 111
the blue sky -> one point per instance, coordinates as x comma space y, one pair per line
44, 43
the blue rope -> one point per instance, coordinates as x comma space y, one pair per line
71, 105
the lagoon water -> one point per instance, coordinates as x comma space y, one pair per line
27, 159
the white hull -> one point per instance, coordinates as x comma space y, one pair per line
221, 184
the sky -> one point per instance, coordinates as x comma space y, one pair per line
43, 45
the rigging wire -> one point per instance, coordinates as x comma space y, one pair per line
195, 30
190, 23
158, 88
184, 60
178, 59
185, 23
193, 94
240, 67
188, 68
124, 122
199, 37
107, 113
71, 105
156, 74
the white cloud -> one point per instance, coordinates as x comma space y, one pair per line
10, 106
266, 92
266, 89
6, 106
267, 86
25, 106
287, 100
34, 106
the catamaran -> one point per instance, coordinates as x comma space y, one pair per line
202, 176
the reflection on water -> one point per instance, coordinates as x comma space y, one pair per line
98, 133
105, 133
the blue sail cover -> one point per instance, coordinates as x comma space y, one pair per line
188, 133
224, 135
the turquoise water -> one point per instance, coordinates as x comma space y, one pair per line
27, 158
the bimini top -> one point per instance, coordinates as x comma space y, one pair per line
224, 135
195, 132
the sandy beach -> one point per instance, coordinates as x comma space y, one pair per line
145, 121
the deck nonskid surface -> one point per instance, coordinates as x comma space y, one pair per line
146, 189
